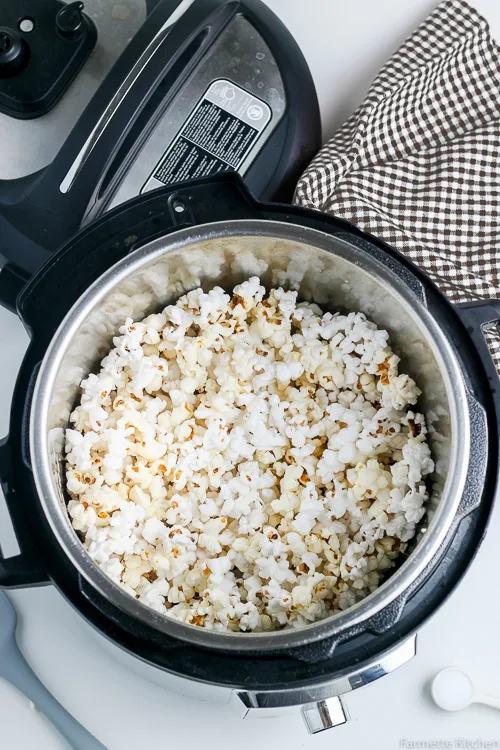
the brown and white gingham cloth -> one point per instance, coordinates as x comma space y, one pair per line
418, 163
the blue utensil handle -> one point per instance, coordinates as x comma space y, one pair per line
17, 671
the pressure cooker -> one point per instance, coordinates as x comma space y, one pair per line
143, 255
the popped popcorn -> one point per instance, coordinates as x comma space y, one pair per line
247, 462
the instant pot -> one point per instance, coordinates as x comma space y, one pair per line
205, 90
144, 254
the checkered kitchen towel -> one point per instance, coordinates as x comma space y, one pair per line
418, 163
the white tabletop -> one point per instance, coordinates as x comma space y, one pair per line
345, 44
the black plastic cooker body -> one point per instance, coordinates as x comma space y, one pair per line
43, 304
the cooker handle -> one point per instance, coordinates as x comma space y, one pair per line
25, 569
474, 316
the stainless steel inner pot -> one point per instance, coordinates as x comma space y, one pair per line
327, 269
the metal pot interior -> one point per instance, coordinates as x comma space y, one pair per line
329, 270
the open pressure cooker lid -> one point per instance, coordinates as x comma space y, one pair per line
205, 86
81, 261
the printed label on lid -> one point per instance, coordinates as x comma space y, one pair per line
216, 137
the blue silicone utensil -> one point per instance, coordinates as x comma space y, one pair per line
16, 670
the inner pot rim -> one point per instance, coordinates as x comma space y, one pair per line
397, 582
